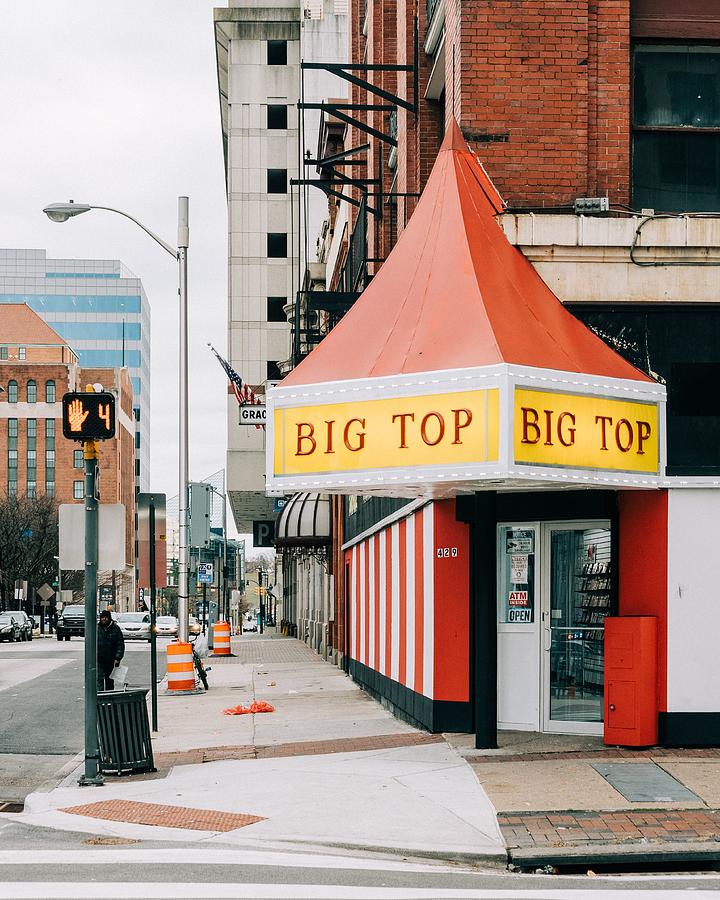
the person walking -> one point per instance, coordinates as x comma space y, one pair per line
110, 650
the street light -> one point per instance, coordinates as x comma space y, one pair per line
61, 212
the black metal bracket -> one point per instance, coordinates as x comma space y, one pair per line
336, 109
344, 158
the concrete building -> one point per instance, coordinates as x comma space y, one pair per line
37, 366
259, 49
100, 308
595, 123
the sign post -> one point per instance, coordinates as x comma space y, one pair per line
90, 417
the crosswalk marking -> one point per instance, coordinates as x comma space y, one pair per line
33, 890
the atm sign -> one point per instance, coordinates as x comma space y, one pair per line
518, 598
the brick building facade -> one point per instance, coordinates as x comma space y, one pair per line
36, 368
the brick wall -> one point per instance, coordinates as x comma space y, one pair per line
542, 87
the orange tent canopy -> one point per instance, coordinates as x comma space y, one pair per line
455, 293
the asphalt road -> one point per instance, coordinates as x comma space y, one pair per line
41, 707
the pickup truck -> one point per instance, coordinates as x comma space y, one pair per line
71, 622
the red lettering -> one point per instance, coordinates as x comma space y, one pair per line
403, 417
548, 427
441, 429
329, 442
458, 426
604, 420
305, 437
568, 438
644, 431
624, 448
528, 424
360, 435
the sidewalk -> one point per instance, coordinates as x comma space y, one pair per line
556, 806
330, 768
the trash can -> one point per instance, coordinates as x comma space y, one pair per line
124, 733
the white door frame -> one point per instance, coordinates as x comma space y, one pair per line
546, 723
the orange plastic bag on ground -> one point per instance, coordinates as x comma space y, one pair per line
257, 706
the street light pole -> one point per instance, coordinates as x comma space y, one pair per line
183, 243
61, 212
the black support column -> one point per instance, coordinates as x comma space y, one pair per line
480, 512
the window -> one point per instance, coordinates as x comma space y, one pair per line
49, 459
31, 391
273, 371
137, 468
32, 428
137, 440
49, 428
12, 487
49, 488
277, 246
136, 413
3, 352
21, 353
676, 127
277, 53
32, 489
276, 116
12, 391
31, 459
13, 428
77, 459
277, 181
275, 312
12, 459
78, 490
49, 391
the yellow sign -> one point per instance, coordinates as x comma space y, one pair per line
444, 429
585, 432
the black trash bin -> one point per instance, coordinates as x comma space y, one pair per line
124, 733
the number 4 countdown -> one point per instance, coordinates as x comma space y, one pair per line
89, 416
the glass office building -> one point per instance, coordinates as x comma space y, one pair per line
100, 308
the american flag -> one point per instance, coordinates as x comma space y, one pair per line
243, 392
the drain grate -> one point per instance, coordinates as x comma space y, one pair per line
11, 806
167, 816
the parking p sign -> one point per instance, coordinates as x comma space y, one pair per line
205, 573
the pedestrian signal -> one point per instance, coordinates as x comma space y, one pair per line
88, 416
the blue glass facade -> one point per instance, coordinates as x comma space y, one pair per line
102, 312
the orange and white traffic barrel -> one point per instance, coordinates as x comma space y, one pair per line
180, 667
221, 639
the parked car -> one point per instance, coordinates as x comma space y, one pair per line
24, 621
194, 626
135, 626
71, 622
166, 626
9, 628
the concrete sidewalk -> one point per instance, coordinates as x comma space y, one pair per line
555, 808
330, 768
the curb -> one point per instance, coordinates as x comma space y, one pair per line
615, 854
498, 860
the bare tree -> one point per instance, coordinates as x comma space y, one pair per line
28, 544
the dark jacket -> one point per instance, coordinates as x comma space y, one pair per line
110, 643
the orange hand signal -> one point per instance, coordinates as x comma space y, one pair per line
77, 415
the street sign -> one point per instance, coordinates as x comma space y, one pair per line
263, 533
88, 416
205, 573
143, 503
200, 513
106, 593
253, 415
45, 592
111, 536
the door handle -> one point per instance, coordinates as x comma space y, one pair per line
547, 639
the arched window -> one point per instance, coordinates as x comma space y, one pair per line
12, 392
31, 391
49, 391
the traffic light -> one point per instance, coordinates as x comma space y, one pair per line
88, 416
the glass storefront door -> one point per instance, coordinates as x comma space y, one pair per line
576, 599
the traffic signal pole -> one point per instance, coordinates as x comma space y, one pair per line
92, 750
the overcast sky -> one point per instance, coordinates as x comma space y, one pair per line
116, 104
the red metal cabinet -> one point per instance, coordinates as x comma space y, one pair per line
631, 704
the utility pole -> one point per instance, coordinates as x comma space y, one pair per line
91, 453
153, 619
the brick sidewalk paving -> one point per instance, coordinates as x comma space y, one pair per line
479, 757
268, 650
558, 829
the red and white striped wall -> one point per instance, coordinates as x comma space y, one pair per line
409, 606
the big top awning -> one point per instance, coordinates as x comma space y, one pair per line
458, 369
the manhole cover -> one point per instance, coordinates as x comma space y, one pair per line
644, 782
138, 813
